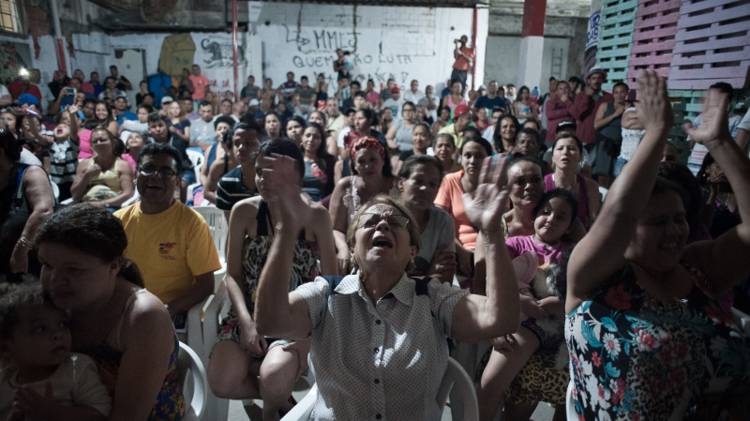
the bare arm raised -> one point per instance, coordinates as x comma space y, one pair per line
600, 253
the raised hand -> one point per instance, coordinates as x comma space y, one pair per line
653, 110
486, 206
714, 125
282, 190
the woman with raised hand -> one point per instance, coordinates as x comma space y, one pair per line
379, 346
244, 363
646, 335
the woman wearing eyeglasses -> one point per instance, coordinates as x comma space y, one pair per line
104, 180
399, 136
245, 364
379, 346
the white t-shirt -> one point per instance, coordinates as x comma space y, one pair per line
76, 382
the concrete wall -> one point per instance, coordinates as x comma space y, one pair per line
400, 42
565, 38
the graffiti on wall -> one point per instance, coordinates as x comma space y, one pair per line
218, 53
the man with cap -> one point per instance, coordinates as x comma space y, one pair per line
461, 120
394, 102
584, 110
121, 111
23, 85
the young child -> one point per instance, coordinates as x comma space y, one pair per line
541, 305
64, 152
40, 379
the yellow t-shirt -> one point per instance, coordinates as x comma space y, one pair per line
451, 130
170, 248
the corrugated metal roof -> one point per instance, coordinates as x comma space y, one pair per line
413, 3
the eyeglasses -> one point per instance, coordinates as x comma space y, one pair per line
394, 221
163, 172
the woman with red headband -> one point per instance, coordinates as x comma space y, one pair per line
371, 175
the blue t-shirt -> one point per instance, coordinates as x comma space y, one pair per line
127, 115
159, 84
491, 104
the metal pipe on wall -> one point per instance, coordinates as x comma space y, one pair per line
234, 48
59, 45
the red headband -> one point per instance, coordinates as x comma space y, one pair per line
366, 142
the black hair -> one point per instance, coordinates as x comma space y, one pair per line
304, 77
359, 94
562, 194
156, 148
245, 126
155, 117
369, 114
204, 103
723, 87
10, 145
496, 138
224, 119
149, 109
93, 231
118, 147
287, 148
408, 166
14, 295
301, 121
529, 132
621, 83
536, 122
689, 188
470, 131
480, 140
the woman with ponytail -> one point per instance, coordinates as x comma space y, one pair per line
123, 327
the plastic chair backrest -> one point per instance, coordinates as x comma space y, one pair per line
455, 382
192, 373
218, 225
196, 158
464, 404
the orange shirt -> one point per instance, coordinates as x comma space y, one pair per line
461, 63
200, 83
450, 197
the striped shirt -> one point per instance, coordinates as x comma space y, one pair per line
63, 161
231, 190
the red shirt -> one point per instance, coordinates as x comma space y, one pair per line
200, 83
584, 109
461, 63
17, 88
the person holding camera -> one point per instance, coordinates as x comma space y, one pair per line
464, 59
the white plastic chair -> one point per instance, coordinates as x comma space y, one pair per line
194, 382
219, 227
196, 158
464, 404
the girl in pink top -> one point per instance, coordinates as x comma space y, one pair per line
542, 318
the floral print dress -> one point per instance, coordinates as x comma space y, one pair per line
635, 358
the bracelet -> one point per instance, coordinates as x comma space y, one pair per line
24, 243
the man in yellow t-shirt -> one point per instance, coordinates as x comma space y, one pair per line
170, 243
461, 120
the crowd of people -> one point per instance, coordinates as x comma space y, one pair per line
377, 231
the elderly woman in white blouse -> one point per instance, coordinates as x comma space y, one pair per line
379, 346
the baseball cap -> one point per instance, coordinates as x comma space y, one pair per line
27, 99
253, 103
166, 100
596, 70
460, 110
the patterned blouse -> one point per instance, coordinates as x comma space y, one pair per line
634, 357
